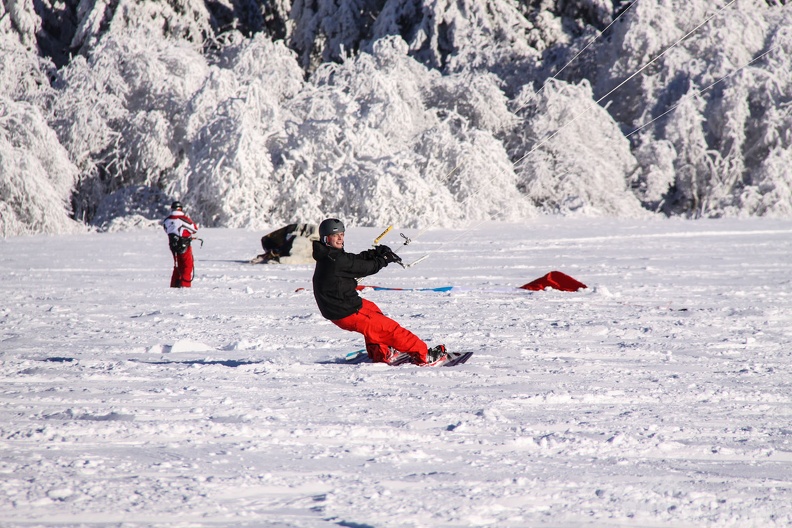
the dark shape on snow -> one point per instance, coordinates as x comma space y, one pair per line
350, 524
555, 280
291, 244
231, 363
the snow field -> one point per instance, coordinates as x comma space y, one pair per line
659, 396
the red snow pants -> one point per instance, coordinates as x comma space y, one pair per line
182, 270
382, 333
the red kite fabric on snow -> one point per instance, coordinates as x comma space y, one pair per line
554, 279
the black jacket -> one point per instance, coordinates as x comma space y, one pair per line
334, 281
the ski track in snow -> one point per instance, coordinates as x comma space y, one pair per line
659, 396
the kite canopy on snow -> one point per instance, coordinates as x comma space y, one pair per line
555, 280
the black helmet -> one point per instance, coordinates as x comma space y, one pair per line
176, 206
331, 226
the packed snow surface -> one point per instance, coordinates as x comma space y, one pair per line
659, 396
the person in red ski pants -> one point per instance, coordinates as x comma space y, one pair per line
335, 290
183, 269
382, 334
180, 229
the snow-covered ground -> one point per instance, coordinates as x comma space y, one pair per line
659, 396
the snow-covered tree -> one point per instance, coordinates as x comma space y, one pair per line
24, 75
377, 154
36, 175
391, 111
572, 156
771, 192
719, 139
655, 176
187, 20
18, 17
327, 30
446, 35
234, 125
696, 165
119, 113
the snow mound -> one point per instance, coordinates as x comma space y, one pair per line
182, 345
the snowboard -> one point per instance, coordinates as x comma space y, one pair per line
456, 358
453, 359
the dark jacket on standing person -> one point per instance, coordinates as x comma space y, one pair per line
334, 284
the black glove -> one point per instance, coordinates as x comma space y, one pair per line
387, 253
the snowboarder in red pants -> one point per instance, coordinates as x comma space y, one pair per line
180, 230
334, 284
